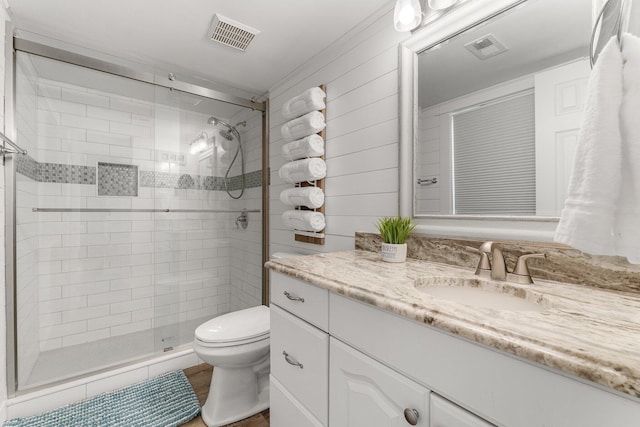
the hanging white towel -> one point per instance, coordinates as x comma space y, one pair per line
310, 100
588, 217
303, 220
310, 197
311, 146
627, 230
303, 170
303, 126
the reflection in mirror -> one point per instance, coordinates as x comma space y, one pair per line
499, 108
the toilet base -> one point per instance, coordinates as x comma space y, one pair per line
235, 394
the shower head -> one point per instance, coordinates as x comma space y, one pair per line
216, 121
228, 135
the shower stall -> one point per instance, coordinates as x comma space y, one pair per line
136, 213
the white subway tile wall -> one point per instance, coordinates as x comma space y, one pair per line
246, 245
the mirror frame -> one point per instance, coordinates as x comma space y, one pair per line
462, 18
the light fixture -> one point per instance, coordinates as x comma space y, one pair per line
407, 15
200, 144
441, 4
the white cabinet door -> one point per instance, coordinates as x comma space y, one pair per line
365, 393
286, 411
447, 414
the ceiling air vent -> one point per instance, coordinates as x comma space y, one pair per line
231, 33
485, 47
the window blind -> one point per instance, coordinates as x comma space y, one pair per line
494, 158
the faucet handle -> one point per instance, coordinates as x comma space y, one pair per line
521, 270
486, 247
484, 265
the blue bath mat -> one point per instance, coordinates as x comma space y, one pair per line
167, 400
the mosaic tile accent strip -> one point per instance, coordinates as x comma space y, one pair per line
253, 179
117, 180
74, 174
27, 166
68, 174
197, 182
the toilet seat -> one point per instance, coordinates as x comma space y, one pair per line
236, 328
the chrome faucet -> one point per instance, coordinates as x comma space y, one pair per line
497, 267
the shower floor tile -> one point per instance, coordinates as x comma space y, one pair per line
68, 362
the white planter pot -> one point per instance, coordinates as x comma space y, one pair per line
394, 253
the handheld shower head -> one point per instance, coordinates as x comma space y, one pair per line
228, 135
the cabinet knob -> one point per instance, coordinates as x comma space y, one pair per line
412, 416
292, 297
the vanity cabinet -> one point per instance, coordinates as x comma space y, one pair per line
369, 365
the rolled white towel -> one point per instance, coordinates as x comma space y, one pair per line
311, 146
310, 197
303, 126
303, 220
310, 100
303, 170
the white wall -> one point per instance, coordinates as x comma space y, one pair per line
361, 74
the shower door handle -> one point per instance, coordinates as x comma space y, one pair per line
293, 298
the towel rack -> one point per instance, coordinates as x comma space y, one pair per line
316, 238
613, 21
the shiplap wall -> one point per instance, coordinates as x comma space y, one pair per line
361, 74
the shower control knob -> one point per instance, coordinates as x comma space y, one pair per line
412, 416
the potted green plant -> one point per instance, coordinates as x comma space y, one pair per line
394, 232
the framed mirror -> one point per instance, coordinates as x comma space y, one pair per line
492, 98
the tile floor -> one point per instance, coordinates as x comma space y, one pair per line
200, 378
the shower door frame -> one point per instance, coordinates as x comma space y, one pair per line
14, 44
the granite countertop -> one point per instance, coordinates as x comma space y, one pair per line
590, 333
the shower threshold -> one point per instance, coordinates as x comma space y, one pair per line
59, 365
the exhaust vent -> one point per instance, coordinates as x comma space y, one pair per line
231, 33
485, 47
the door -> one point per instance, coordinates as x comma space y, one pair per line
365, 393
560, 95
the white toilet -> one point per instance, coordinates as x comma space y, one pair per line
237, 345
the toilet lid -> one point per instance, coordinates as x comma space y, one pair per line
240, 325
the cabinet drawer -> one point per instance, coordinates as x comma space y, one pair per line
299, 361
306, 301
447, 414
285, 410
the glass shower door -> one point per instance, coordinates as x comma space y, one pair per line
126, 210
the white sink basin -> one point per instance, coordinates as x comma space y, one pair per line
481, 293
